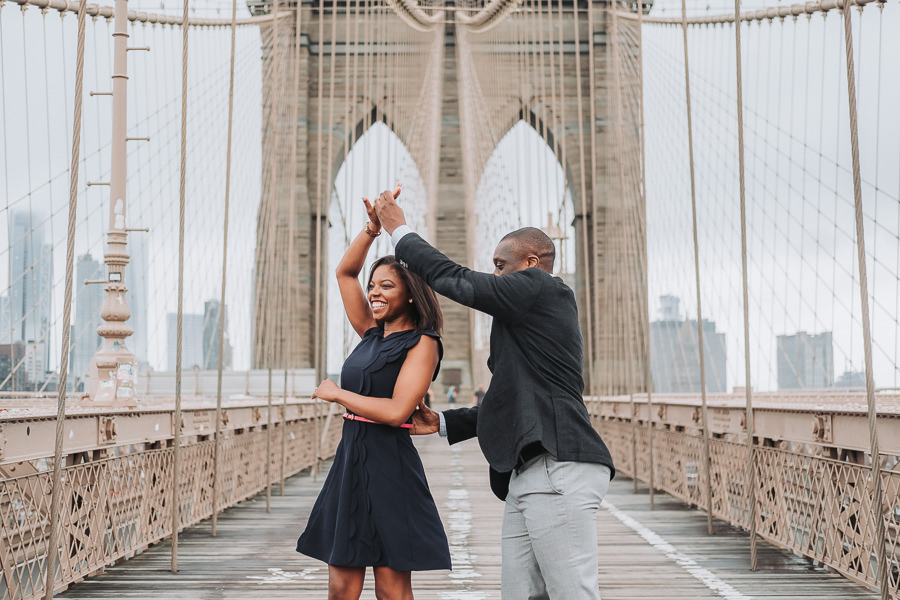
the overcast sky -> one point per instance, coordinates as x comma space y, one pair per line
801, 229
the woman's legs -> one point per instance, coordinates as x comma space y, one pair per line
345, 583
392, 585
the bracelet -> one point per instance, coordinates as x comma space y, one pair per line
371, 233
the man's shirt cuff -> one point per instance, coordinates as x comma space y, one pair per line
442, 430
399, 233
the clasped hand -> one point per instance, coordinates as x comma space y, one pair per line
327, 390
390, 215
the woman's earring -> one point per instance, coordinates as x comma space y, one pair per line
410, 300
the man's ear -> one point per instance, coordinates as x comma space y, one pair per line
532, 261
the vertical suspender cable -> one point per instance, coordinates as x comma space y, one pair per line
590, 260
648, 375
176, 424
750, 489
583, 163
327, 184
317, 220
877, 499
292, 217
215, 483
273, 227
56, 492
620, 169
703, 411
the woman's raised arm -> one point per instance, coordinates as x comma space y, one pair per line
352, 294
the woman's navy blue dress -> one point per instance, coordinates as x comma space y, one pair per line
375, 508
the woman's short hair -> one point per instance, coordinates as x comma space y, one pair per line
426, 309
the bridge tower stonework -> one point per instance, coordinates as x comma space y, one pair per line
610, 255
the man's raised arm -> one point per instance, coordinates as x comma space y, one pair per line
508, 298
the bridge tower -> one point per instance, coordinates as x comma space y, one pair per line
609, 239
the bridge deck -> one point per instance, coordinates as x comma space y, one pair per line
663, 555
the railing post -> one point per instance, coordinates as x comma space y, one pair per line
877, 494
269, 445
283, 427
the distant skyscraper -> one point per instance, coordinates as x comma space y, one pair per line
136, 282
851, 379
30, 277
211, 337
674, 352
191, 340
85, 340
805, 361
12, 373
5, 333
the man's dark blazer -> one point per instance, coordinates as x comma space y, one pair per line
536, 361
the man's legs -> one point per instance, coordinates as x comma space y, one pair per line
555, 503
520, 575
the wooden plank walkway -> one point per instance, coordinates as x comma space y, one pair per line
660, 555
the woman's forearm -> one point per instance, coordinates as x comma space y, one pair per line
355, 257
387, 411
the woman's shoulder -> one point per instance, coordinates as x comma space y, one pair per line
429, 332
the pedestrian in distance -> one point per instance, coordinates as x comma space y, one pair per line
478, 395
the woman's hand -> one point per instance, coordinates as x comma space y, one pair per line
327, 390
375, 226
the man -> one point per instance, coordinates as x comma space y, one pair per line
547, 462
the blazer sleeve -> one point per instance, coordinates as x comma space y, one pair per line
462, 424
507, 298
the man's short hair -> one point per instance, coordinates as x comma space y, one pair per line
531, 240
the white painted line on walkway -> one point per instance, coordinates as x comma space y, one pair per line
703, 575
459, 521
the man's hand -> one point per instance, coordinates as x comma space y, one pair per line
390, 215
424, 420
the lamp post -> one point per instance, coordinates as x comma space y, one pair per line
113, 367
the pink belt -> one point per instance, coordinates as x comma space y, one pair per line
353, 417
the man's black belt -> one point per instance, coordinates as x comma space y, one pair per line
528, 454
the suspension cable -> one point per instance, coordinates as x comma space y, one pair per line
217, 440
176, 442
877, 494
703, 410
648, 375
56, 480
750, 490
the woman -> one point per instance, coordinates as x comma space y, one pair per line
375, 508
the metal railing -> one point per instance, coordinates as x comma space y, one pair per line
117, 498
813, 496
